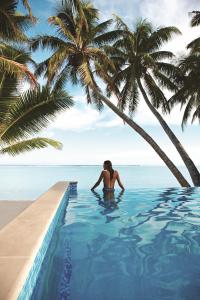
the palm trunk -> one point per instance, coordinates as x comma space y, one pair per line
182, 181
192, 169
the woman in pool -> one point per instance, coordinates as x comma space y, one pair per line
109, 177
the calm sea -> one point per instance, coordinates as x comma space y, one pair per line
28, 182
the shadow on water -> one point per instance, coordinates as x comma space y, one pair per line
109, 201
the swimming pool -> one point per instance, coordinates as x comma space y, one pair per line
140, 245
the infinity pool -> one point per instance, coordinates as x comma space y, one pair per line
140, 245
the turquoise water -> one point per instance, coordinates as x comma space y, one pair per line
28, 182
143, 244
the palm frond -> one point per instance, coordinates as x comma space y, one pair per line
102, 27
28, 7
160, 36
14, 68
187, 111
134, 100
194, 46
196, 114
126, 94
168, 69
100, 56
30, 145
196, 19
48, 42
160, 55
103, 72
164, 81
12, 24
96, 99
62, 30
157, 97
120, 24
88, 95
33, 112
86, 76
107, 37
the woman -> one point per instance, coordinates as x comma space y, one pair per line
109, 177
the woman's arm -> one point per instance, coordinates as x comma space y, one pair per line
119, 182
98, 182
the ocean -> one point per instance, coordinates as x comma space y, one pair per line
27, 182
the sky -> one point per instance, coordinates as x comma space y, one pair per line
90, 137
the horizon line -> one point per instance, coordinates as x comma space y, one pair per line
87, 165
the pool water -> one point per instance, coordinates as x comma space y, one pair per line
143, 244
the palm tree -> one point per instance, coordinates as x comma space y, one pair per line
76, 49
23, 114
142, 66
26, 114
12, 27
188, 94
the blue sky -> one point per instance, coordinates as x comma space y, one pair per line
89, 137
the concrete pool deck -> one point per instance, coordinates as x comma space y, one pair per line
9, 210
21, 239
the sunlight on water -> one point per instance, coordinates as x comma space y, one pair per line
140, 245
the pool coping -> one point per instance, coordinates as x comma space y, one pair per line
21, 239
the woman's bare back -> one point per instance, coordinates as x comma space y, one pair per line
108, 182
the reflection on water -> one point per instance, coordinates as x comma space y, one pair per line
109, 202
140, 245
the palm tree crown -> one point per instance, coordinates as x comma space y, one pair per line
138, 57
76, 46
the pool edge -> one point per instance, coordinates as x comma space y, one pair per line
22, 238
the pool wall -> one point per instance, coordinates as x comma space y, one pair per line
24, 241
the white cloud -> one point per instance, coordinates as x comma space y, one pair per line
172, 13
76, 119
85, 117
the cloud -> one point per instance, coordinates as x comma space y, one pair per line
172, 13
76, 119
85, 117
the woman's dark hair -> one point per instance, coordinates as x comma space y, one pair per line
108, 166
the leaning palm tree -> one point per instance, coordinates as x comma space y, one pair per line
26, 114
77, 48
142, 67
